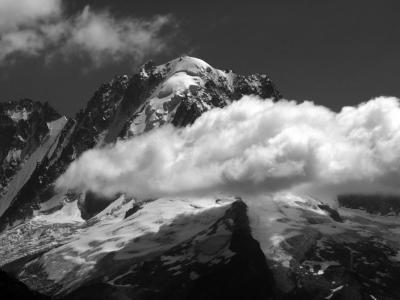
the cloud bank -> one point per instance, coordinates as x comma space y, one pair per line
253, 146
42, 27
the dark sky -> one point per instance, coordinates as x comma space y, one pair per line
334, 53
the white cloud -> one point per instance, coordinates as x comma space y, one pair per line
254, 146
16, 13
25, 41
41, 27
105, 37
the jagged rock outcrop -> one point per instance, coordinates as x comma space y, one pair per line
12, 288
373, 204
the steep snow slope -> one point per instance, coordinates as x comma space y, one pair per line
23, 125
32, 136
26, 169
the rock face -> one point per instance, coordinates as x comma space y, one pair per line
23, 127
79, 245
11, 288
373, 204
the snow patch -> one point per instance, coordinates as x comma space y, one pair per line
18, 115
69, 213
178, 83
395, 258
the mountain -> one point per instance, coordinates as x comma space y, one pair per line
176, 92
73, 245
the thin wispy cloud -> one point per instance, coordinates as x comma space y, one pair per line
43, 28
267, 147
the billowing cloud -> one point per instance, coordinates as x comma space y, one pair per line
16, 13
253, 146
42, 27
105, 37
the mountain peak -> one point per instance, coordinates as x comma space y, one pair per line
176, 92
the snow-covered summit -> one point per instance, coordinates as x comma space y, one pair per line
186, 87
190, 65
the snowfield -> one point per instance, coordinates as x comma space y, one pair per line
156, 227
